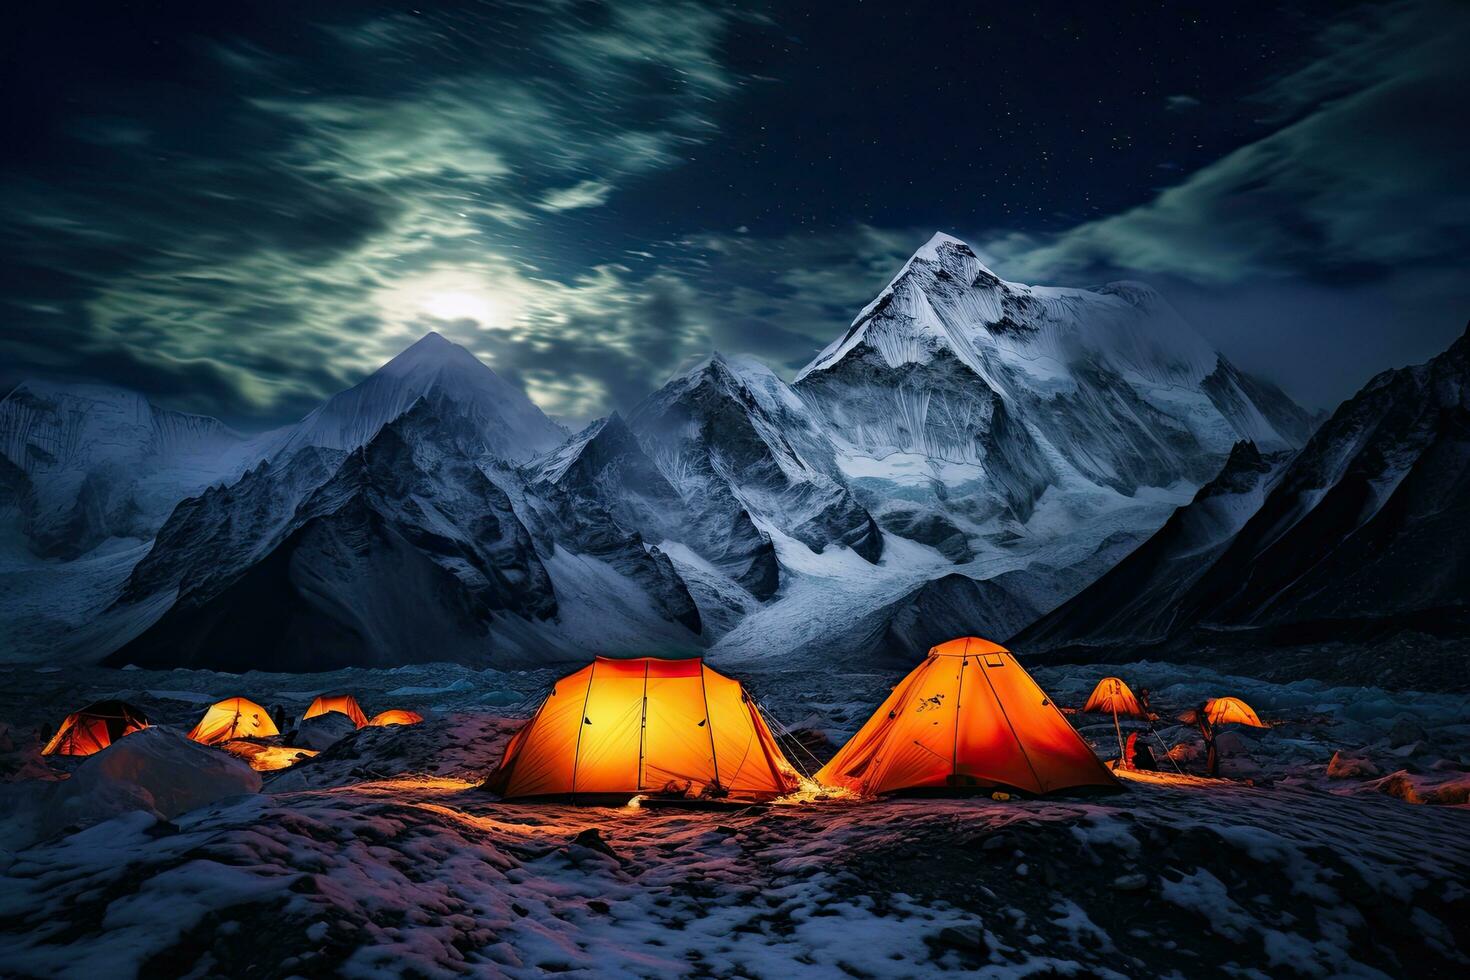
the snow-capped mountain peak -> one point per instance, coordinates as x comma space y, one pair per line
441, 372
954, 369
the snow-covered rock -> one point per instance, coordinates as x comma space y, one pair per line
323, 731
902, 631
83, 463
158, 770
746, 455
606, 467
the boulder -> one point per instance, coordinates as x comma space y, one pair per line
159, 771
1347, 767
163, 771
323, 731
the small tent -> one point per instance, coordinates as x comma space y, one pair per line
396, 716
233, 718
968, 716
95, 727
1231, 711
1113, 697
344, 704
645, 726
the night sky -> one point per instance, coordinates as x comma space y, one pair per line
240, 208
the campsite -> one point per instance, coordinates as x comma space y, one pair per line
735, 491
385, 853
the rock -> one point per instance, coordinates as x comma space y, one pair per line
158, 771
1406, 731
323, 731
1185, 752
592, 838
968, 939
1400, 786
1130, 883
1450, 794
1232, 743
1346, 767
165, 770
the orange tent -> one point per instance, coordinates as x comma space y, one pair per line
1113, 697
95, 727
344, 704
968, 716
396, 716
1231, 711
233, 718
645, 725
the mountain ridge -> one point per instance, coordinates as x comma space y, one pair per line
933, 446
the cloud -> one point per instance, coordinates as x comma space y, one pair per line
306, 201
1180, 103
583, 194
1364, 179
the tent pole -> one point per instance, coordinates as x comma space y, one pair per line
581, 724
954, 758
643, 726
709, 723
1119, 729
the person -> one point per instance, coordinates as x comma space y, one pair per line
1207, 732
1148, 712
1139, 755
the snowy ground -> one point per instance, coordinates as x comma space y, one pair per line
381, 857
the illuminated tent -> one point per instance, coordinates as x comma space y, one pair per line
645, 725
968, 716
95, 727
344, 704
1228, 711
233, 718
396, 716
1112, 697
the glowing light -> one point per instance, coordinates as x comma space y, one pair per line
460, 305
449, 295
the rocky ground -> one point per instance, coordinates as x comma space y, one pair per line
381, 857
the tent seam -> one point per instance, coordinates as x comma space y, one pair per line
581, 724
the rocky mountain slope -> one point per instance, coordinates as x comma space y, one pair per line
407, 551
1138, 599
606, 466
1364, 526
84, 463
